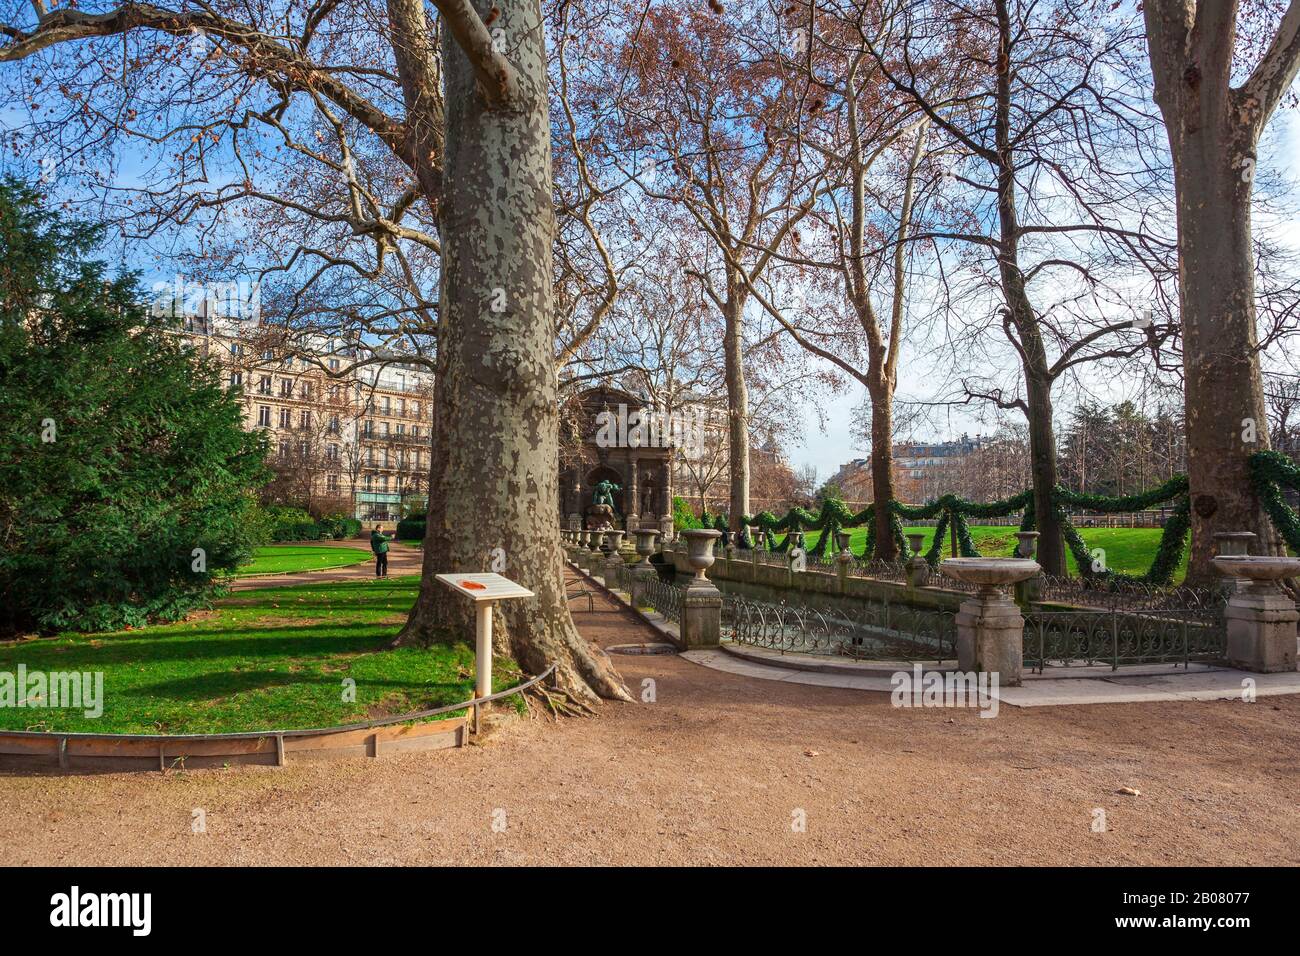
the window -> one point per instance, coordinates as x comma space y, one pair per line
264, 385
415, 430
264, 415
334, 424
401, 429
334, 393
401, 406
285, 420
334, 365
385, 429
383, 482
332, 452
306, 389
369, 481
234, 349
415, 409
388, 405
236, 379
369, 430
304, 419
286, 388
267, 355
332, 484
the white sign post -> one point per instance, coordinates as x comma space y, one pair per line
484, 590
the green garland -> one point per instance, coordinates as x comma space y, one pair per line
1270, 471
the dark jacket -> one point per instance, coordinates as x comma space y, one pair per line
379, 542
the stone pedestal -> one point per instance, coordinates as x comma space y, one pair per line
990, 629
1260, 617
991, 637
1261, 632
701, 624
642, 577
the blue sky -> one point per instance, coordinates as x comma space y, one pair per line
827, 449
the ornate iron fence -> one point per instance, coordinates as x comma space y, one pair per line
880, 630
894, 571
664, 597
1120, 636
1131, 595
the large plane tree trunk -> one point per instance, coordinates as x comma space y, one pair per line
1213, 129
1223, 394
737, 402
882, 468
494, 479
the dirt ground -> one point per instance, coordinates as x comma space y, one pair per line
721, 769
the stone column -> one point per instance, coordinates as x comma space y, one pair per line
1261, 619
990, 628
633, 500
701, 624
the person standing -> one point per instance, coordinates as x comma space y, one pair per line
379, 545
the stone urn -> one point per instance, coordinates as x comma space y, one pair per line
1259, 573
1261, 618
699, 552
842, 539
990, 628
1231, 543
645, 546
613, 540
991, 575
918, 569
1028, 543
593, 540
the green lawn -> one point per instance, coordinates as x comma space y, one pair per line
282, 559
274, 658
1129, 550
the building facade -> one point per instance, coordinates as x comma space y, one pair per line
344, 438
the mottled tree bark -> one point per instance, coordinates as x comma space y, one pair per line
1213, 130
494, 482
733, 344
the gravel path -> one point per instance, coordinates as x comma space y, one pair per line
718, 769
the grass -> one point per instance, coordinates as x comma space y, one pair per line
1129, 550
274, 658
283, 559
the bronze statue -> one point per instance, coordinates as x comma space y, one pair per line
605, 493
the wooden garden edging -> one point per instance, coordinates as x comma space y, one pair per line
22, 749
